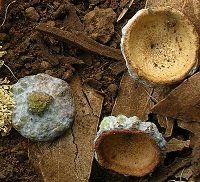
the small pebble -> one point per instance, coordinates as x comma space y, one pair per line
51, 23
103, 28
45, 65
28, 65
32, 14
112, 89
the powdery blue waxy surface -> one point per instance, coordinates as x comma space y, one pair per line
54, 119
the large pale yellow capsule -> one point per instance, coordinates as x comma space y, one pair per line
160, 46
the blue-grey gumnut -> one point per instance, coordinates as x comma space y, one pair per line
44, 107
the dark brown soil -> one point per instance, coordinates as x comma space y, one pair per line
30, 52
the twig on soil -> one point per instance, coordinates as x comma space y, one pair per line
182, 174
5, 16
10, 71
126, 8
80, 40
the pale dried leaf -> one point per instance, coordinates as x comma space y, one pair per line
162, 121
133, 99
185, 173
169, 127
167, 123
182, 102
2, 53
174, 145
69, 158
93, 98
161, 92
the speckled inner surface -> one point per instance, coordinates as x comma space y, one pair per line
123, 122
55, 119
160, 46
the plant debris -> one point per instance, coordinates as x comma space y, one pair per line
125, 9
185, 173
177, 145
163, 173
185, 97
81, 40
133, 99
6, 104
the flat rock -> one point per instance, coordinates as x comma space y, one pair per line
183, 102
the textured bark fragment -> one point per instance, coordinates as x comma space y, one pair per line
194, 127
196, 156
69, 158
133, 99
161, 92
185, 173
190, 8
165, 122
183, 102
177, 145
163, 173
80, 40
